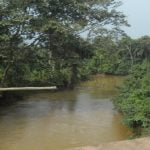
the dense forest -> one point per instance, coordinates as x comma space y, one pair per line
41, 43
61, 42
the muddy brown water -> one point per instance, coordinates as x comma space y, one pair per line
64, 120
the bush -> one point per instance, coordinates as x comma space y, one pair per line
134, 98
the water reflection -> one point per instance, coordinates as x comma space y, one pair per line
63, 120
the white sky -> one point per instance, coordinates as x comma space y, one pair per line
138, 16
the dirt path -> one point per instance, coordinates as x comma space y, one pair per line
138, 144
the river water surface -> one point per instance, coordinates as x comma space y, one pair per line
64, 120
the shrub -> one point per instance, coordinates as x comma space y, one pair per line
134, 98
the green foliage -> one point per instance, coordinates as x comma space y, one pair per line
107, 57
134, 98
118, 56
40, 42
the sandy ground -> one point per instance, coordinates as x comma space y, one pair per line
138, 144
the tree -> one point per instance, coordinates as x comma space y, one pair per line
143, 52
134, 50
53, 28
11, 23
60, 22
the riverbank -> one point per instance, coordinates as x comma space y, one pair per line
138, 144
133, 100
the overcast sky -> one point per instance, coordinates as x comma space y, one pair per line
138, 13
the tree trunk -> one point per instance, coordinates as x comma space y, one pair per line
50, 56
5, 75
73, 80
131, 55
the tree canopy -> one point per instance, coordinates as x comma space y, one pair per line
40, 40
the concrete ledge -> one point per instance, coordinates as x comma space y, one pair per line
138, 144
27, 88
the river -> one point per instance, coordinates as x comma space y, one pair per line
64, 120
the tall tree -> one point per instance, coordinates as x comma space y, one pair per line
53, 28
11, 24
